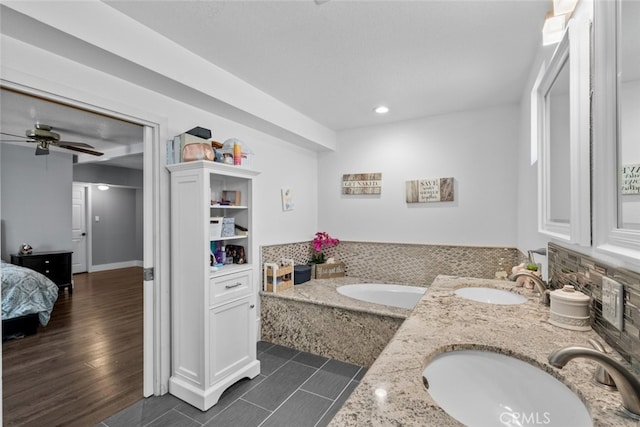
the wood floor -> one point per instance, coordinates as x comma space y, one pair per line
86, 364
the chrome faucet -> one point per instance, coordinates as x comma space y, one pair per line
601, 377
538, 284
627, 383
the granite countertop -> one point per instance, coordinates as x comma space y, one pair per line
443, 321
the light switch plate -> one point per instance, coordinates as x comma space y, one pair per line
612, 302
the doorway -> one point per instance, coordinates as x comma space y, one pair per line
152, 307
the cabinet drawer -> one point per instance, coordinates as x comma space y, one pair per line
54, 267
225, 288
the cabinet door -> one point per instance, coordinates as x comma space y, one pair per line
232, 338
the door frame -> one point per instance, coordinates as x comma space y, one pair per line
156, 305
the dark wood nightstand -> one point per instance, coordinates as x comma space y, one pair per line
56, 265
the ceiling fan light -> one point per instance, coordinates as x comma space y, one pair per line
42, 148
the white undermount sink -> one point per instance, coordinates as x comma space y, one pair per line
483, 388
491, 296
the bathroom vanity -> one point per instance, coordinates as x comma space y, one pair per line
392, 392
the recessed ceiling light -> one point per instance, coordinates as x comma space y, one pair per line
381, 109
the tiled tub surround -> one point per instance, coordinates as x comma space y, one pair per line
315, 318
399, 263
442, 322
567, 267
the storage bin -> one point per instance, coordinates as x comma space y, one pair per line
302, 273
277, 277
215, 228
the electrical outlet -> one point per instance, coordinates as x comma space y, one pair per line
612, 302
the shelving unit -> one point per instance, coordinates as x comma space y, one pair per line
213, 321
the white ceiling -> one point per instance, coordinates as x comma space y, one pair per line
116, 138
336, 61
333, 62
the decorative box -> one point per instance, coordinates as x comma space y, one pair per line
200, 132
329, 271
228, 227
233, 198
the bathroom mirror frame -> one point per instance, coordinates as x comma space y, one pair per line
609, 239
574, 50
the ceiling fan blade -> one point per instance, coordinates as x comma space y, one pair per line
75, 144
79, 149
41, 151
14, 140
17, 136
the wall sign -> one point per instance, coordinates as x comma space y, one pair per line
430, 190
286, 195
362, 183
630, 179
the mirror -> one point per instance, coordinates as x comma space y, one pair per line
557, 118
563, 139
616, 129
629, 112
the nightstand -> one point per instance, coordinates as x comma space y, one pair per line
56, 265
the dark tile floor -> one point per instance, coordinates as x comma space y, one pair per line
294, 389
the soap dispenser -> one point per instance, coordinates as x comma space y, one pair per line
570, 309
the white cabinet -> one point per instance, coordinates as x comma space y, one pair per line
213, 328
235, 338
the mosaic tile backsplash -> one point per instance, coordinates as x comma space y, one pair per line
404, 263
567, 267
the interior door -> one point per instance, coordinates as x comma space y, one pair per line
79, 229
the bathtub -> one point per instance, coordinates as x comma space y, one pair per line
394, 295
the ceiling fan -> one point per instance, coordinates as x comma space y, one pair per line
43, 136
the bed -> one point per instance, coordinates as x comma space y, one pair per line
28, 298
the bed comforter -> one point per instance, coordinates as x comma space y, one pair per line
25, 291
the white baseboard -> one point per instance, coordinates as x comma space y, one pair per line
115, 265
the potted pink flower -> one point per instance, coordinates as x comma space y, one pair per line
321, 242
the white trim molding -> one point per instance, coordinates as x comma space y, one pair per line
609, 239
574, 51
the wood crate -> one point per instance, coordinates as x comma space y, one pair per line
329, 271
280, 275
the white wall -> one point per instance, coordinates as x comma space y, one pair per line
477, 148
282, 163
527, 176
36, 200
